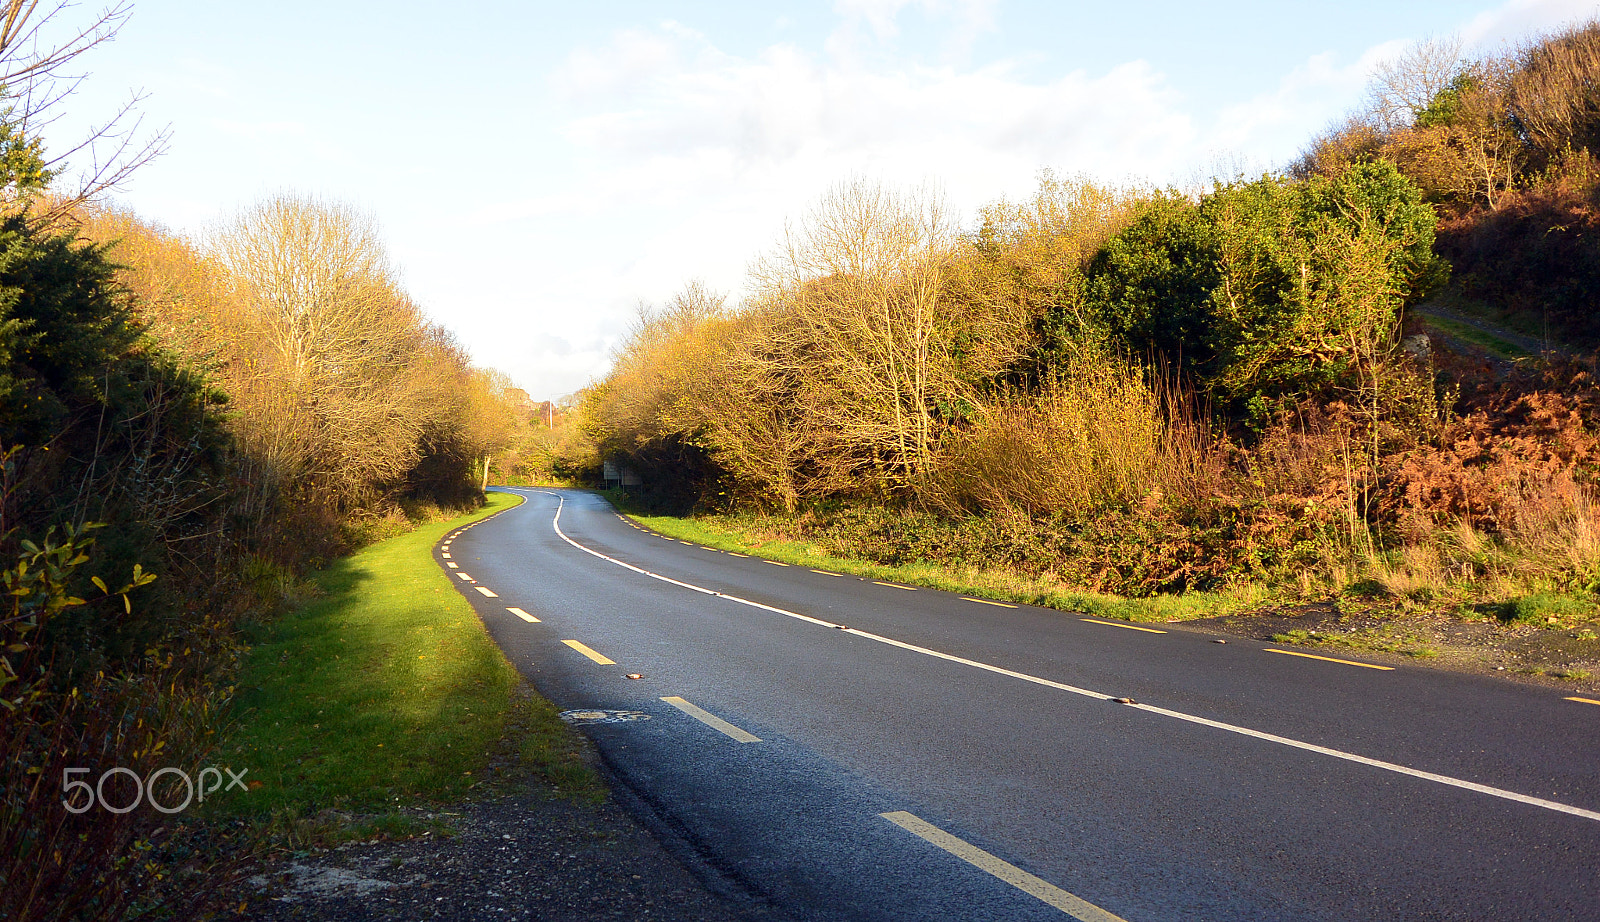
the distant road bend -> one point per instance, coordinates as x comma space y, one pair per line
828, 747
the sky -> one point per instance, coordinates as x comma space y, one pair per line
540, 170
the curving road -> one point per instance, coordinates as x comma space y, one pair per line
827, 747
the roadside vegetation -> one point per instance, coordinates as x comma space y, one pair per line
1176, 403
1141, 402
188, 427
382, 691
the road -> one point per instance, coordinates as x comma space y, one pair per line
836, 748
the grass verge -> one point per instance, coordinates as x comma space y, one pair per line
978, 583
384, 691
1493, 344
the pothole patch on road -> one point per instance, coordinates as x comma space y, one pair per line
597, 716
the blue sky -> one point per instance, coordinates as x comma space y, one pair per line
540, 169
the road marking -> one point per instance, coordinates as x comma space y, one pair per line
1131, 627
445, 556
1076, 907
711, 720
1329, 659
523, 615
732, 554
895, 586
486, 591
775, 563
453, 565
597, 657
690, 543
1584, 700
988, 602
1088, 693
826, 573
463, 575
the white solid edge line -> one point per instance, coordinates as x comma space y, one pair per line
1036, 887
1378, 763
1215, 724
711, 720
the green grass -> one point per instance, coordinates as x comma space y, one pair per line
1477, 337
1381, 640
981, 584
383, 692
1541, 607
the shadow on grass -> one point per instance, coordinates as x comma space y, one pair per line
385, 689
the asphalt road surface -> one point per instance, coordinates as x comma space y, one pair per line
828, 747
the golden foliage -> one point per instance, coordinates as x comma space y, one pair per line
1098, 435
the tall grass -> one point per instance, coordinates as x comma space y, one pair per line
1101, 433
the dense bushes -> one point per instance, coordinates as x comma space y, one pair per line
1504, 146
1143, 391
887, 358
1268, 292
184, 429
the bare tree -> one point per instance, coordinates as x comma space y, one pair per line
37, 73
1555, 91
885, 354
1403, 88
339, 386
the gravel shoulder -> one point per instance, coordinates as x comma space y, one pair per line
519, 852
1560, 654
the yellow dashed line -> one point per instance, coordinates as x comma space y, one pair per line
711, 720
775, 563
906, 588
1076, 907
1584, 700
732, 554
1131, 627
988, 602
586, 651
826, 573
1329, 659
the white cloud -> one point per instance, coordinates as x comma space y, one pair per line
690, 158
1272, 125
1522, 19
